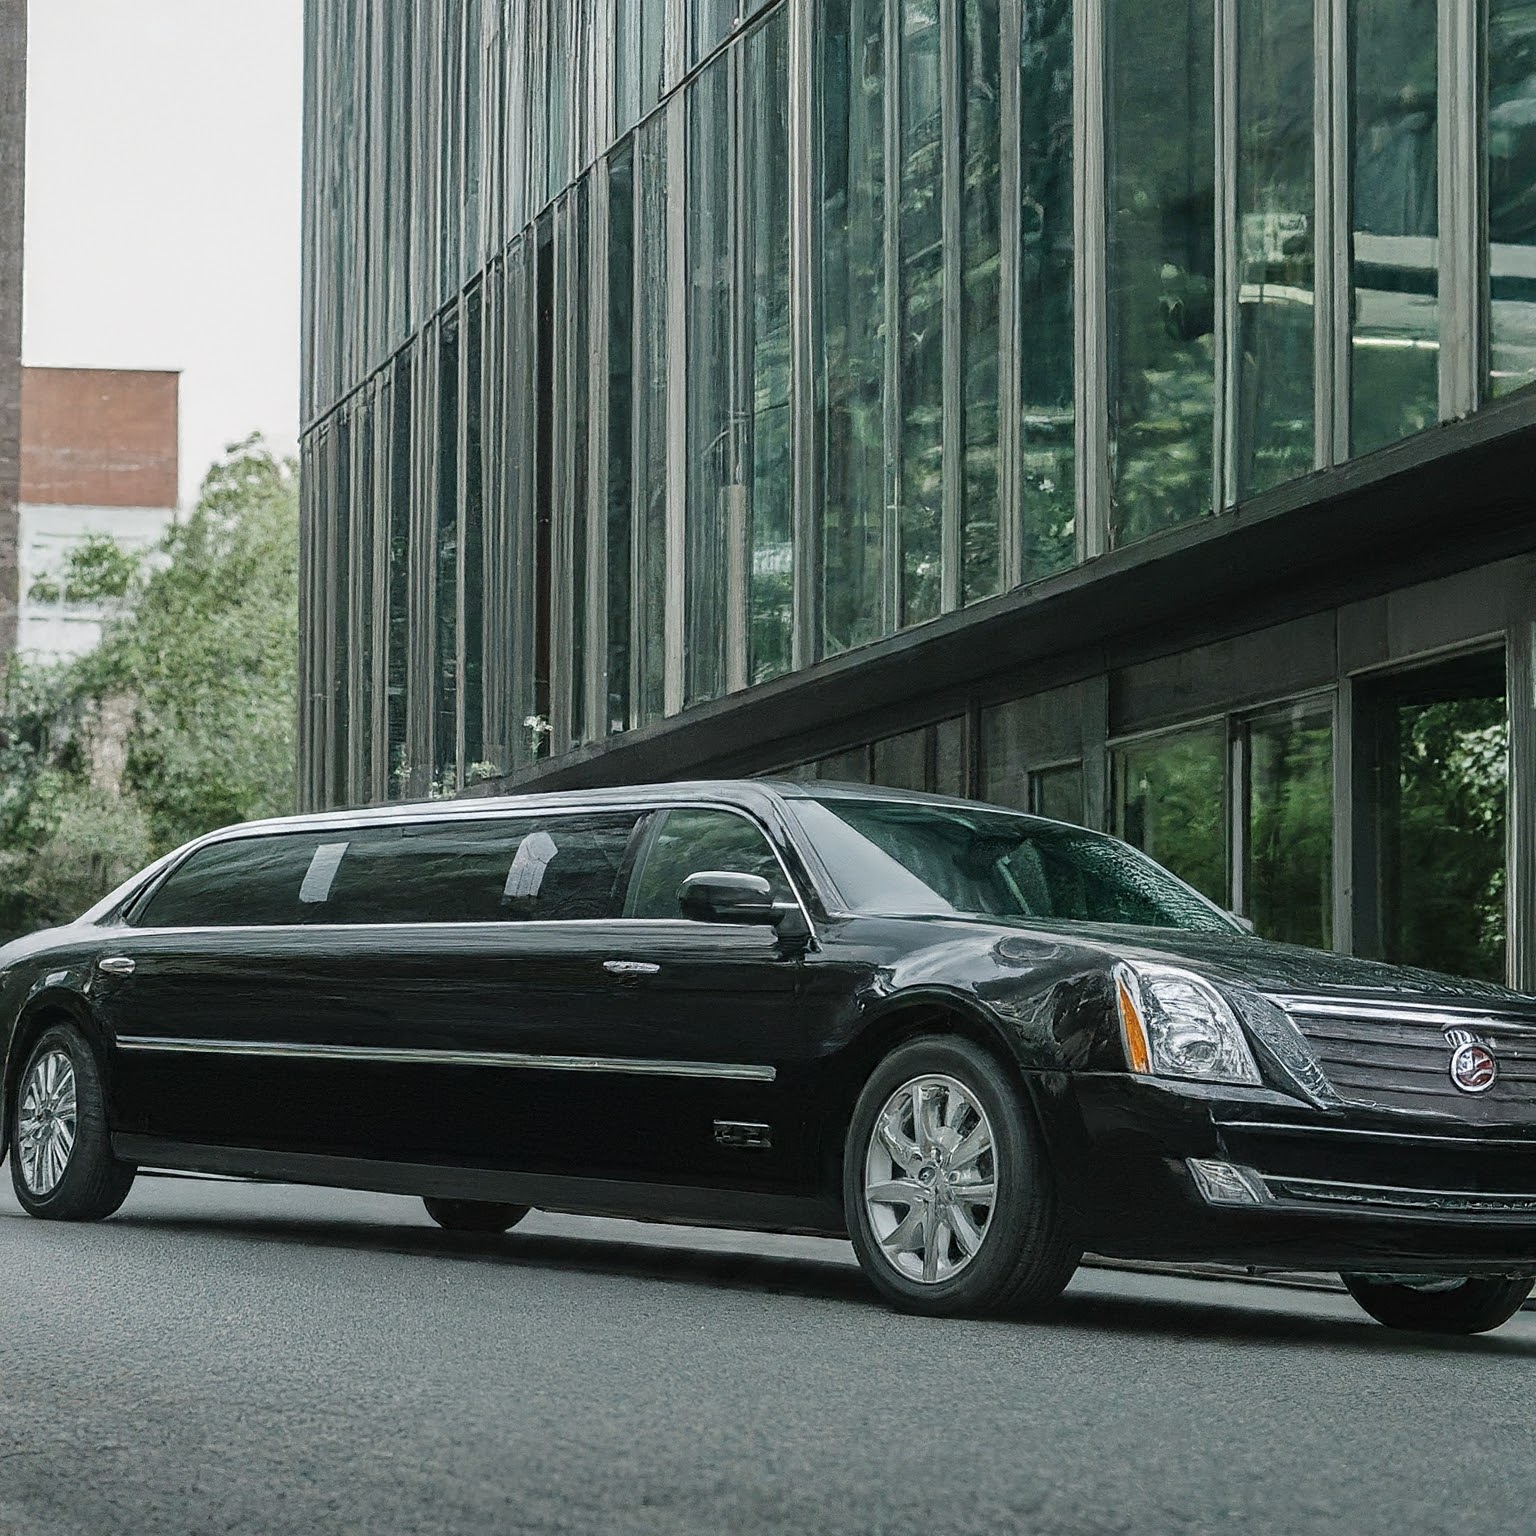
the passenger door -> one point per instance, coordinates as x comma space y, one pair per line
717, 1002
209, 991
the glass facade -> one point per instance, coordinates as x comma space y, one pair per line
659, 349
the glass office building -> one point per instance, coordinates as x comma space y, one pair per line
1117, 408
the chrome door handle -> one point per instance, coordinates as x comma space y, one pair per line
115, 965
630, 967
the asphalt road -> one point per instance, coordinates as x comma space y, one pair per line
265, 1360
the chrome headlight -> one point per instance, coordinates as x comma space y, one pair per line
1176, 1024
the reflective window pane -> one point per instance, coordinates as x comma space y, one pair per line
714, 567
1046, 465
1288, 874
1511, 142
1440, 755
1275, 249
922, 313
1395, 345
1161, 241
445, 732
648, 696
474, 535
621, 316
980, 293
709, 24
771, 560
639, 57
1170, 801
850, 368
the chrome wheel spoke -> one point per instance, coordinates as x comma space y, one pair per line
929, 1178
983, 1192
895, 1192
902, 1151
907, 1234
967, 1234
972, 1147
955, 1106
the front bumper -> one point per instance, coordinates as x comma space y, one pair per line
1370, 1190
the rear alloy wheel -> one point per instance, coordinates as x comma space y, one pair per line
1428, 1304
946, 1189
474, 1215
62, 1166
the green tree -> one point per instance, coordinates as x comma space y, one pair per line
183, 717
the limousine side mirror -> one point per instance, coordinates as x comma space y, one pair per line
722, 896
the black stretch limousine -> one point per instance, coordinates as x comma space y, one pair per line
978, 1042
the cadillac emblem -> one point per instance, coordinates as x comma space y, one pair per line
1473, 1066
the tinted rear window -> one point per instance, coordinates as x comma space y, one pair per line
552, 868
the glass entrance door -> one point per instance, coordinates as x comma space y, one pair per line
1430, 813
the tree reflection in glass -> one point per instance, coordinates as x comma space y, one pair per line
1275, 251
1170, 801
1161, 230
1395, 350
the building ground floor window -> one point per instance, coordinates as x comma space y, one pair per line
1353, 780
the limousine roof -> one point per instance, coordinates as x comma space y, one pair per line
744, 792
747, 793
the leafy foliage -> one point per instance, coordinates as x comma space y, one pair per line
181, 720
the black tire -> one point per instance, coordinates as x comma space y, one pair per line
474, 1215
93, 1183
1474, 1305
1025, 1256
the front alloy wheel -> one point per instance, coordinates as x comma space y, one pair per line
62, 1166
47, 1120
930, 1178
947, 1190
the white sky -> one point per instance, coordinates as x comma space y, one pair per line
163, 144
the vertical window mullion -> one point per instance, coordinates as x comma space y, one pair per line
677, 398
892, 556
807, 557
1520, 898
1091, 296
952, 440
736, 508
1461, 174
1239, 798
460, 541
595, 681
1334, 368
1010, 510
1224, 489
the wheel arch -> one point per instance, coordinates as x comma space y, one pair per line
908, 1017
48, 1008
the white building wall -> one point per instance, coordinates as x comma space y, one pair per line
59, 631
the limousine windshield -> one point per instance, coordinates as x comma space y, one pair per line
895, 857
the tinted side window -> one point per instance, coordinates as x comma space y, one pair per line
549, 868
249, 881
689, 842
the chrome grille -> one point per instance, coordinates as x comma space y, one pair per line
1398, 1056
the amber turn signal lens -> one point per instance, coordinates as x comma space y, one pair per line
1137, 1053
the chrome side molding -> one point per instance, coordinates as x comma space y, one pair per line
293, 1050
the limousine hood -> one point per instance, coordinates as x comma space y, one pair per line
1264, 966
